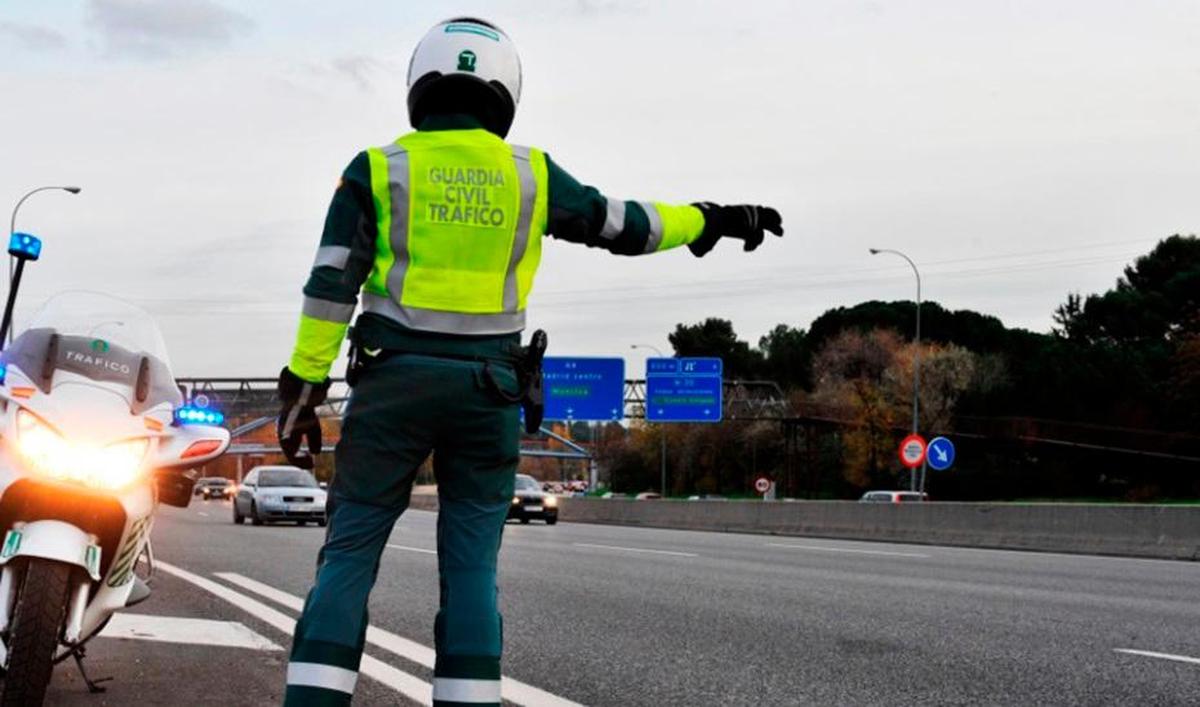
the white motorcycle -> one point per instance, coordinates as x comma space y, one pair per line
92, 438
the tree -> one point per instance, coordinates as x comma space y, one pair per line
716, 337
1156, 301
849, 376
788, 357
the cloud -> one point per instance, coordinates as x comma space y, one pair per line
33, 37
163, 28
358, 68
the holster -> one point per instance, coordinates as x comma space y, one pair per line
530, 393
529, 375
355, 362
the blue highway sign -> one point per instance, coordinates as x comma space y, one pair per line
584, 389
941, 454
683, 389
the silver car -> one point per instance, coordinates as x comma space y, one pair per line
279, 493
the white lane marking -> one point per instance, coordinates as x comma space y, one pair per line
412, 549
819, 548
203, 514
400, 681
512, 690
1163, 656
174, 629
637, 549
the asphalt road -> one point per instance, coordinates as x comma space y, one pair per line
603, 615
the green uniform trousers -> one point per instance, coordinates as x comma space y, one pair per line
402, 409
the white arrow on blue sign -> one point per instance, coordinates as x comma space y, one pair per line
941, 454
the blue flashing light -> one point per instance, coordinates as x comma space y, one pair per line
3, 372
198, 416
25, 246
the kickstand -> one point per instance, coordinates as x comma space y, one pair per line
79, 653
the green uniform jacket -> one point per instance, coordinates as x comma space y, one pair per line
577, 213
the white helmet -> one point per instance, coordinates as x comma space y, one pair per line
465, 65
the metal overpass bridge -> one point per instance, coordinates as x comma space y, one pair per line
252, 402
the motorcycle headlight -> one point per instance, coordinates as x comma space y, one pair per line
47, 453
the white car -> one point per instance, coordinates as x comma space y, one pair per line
279, 493
893, 497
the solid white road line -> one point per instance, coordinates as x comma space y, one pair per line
512, 690
400, 681
637, 549
1163, 656
413, 549
819, 548
203, 514
174, 629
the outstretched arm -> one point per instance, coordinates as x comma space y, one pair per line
581, 214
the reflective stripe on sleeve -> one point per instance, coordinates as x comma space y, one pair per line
328, 311
332, 256
469, 691
614, 219
654, 239
329, 677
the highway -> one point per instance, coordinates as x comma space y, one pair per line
603, 615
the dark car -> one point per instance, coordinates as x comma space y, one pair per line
214, 487
530, 501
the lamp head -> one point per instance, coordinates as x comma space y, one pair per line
874, 251
73, 190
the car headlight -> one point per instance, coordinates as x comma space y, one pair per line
47, 453
516, 500
271, 498
550, 501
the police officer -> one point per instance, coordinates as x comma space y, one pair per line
441, 232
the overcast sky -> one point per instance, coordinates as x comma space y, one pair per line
1017, 150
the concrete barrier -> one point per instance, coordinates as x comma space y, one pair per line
1164, 532
1167, 532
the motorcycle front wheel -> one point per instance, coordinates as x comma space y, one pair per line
38, 616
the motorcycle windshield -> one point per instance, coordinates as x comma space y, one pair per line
101, 338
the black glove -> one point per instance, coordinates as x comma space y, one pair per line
742, 221
298, 419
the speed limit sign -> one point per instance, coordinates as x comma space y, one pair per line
912, 451
762, 484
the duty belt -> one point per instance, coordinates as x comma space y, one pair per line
526, 361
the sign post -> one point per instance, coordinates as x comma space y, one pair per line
683, 389
581, 389
765, 488
941, 454
912, 451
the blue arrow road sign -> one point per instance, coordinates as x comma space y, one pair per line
941, 454
683, 389
584, 389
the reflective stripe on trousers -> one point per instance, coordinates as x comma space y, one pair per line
468, 691
328, 677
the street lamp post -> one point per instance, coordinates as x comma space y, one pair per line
12, 224
662, 430
916, 358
